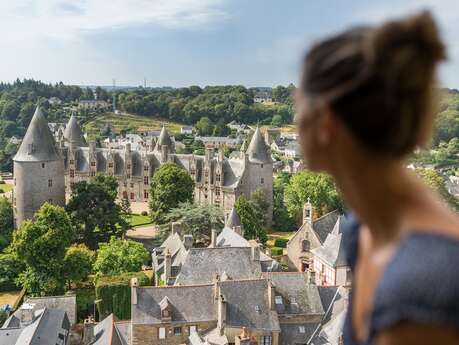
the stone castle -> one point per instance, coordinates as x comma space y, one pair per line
45, 170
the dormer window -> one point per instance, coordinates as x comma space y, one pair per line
165, 313
93, 163
278, 300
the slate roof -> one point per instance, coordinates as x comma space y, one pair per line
202, 264
188, 304
332, 251
73, 133
257, 150
293, 334
164, 139
106, 334
233, 219
123, 330
324, 225
298, 295
66, 303
39, 138
45, 329
247, 304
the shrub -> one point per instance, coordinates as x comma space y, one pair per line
2, 191
2, 182
276, 251
115, 294
144, 213
281, 242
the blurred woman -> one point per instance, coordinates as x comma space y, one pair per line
365, 102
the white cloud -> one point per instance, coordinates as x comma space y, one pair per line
66, 19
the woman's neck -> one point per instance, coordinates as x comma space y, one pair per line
378, 191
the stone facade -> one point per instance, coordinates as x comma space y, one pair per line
218, 180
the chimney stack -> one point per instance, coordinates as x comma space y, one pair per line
27, 313
134, 285
221, 317
271, 295
213, 239
88, 331
255, 250
167, 266
188, 241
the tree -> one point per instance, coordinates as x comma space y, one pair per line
41, 246
10, 268
120, 256
196, 219
251, 223
319, 188
94, 211
170, 186
6, 222
435, 181
277, 120
260, 204
78, 263
204, 126
282, 220
125, 206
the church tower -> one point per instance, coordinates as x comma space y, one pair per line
38, 171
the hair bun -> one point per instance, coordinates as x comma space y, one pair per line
407, 50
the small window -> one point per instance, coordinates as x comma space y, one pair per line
110, 165
262, 166
162, 333
72, 173
93, 163
301, 329
177, 330
128, 176
43, 165
266, 340
72, 162
145, 194
50, 183
145, 180
262, 180
278, 299
132, 185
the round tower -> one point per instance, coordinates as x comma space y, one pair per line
38, 171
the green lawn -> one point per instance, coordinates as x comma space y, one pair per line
135, 122
136, 220
5, 187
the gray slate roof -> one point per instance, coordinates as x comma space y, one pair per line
233, 219
38, 144
324, 225
189, 304
247, 304
73, 133
332, 251
202, 264
164, 139
257, 150
66, 303
298, 295
293, 334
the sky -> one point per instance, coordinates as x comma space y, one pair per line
188, 42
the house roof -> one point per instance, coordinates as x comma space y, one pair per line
73, 133
296, 333
103, 331
298, 295
38, 144
66, 303
164, 139
257, 150
233, 219
247, 304
202, 264
188, 304
332, 251
324, 225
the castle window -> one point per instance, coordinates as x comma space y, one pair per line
72, 184
262, 166
128, 175
177, 330
132, 196
217, 177
125, 184
50, 183
162, 333
266, 340
43, 165
72, 162
262, 180
110, 165
72, 173
129, 166
145, 194
145, 168
132, 185
145, 180
305, 245
93, 163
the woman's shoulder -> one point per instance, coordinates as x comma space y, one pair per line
421, 283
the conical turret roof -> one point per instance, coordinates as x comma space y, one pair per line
38, 144
73, 133
164, 139
258, 150
233, 219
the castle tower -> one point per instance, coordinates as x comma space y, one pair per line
260, 169
73, 133
38, 171
164, 145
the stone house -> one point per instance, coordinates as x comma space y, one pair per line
310, 235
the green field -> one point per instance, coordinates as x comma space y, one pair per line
134, 123
136, 220
5, 188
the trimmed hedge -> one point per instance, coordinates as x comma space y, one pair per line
281, 242
115, 294
276, 251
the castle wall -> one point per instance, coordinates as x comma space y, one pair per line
36, 183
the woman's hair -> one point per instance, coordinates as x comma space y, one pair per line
379, 81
